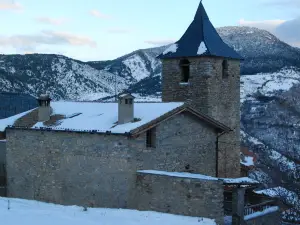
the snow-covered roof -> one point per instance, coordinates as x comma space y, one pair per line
261, 213
11, 120
201, 38
241, 180
178, 174
103, 117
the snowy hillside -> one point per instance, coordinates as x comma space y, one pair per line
63, 77
138, 71
17, 211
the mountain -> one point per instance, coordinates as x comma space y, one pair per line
63, 77
270, 95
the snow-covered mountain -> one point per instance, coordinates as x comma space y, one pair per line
63, 77
270, 95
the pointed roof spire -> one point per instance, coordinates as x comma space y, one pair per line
201, 38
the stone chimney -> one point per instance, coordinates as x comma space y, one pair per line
125, 108
44, 110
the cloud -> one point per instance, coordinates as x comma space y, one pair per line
160, 41
119, 30
10, 5
52, 21
269, 25
30, 42
286, 30
284, 3
289, 32
98, 14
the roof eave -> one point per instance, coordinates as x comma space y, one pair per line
195, 56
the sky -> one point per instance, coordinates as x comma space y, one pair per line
103, 30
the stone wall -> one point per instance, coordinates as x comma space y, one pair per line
2, 151
178, 195
183, 144
100, 170
212, 94
273, 218
2, 168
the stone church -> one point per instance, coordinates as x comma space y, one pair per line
175, 156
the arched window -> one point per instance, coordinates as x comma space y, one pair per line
225, 68
185, 70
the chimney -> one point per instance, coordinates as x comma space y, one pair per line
44, 110
125, 108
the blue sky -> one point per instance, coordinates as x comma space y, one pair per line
99, 30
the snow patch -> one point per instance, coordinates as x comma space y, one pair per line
137, 67
248, 161
199, 176
173, 48
27, 212
11, 120
178, 174
268, 83
93, 96
202, 48
102, 117
280, 192
239, 180
262, 213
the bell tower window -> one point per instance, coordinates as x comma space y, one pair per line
225, 68
185, 70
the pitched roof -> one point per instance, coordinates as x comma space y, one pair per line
201, 38
103, 117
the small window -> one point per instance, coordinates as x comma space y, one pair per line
151, 138
126, 101
130, 101
225, 69
185, 70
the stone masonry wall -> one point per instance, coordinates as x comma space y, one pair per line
176, 195
213, 95
184, 144
2, 151
100, 170
2, 163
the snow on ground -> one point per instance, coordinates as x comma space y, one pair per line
268, 83
148, 98
137, 67
36, 213
284, 164
93, 96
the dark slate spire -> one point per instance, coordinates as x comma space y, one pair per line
201, 38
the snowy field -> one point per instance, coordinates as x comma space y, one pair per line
268, 83
25, 212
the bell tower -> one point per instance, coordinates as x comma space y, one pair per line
203, 71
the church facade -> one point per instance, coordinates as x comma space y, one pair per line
175, 157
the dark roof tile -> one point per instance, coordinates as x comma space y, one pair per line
201, 38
